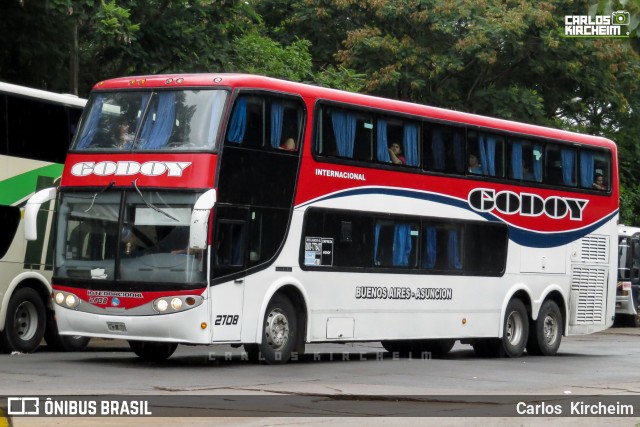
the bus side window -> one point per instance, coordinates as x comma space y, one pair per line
395, 244
443, 149
635, 263
229, 243
485, 154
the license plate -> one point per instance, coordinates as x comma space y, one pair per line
117, 326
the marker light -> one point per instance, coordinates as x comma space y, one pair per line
203, 325
59, 298
176, 303
190, 300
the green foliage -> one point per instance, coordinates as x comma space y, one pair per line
258, 54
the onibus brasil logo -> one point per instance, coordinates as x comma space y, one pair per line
614, 25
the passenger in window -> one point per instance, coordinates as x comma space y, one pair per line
395, 154
474, 164
527, 175
289, 144
599, 184
124, 137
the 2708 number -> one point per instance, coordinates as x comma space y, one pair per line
226, 319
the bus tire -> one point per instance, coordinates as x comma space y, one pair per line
279, 331
515, 329
151, 351
437, 348
25, 323
487, 347
57, 342
545, 333
401, 348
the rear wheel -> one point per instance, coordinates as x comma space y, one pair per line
545, 333
515, 329
153, 351
25, 323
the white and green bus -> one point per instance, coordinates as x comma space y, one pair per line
36, 128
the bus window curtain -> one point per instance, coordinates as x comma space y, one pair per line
458, 151
453, 249
410, 139
344, 129
382, 143
401, 245
587, 176
165, 119
375, 244
277, 114
437, 149
488, 155
238, 124
429, 256
537, 162
567, 156
91, 127
516, 160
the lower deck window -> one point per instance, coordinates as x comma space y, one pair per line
347, 240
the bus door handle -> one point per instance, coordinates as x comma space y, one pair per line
238, 281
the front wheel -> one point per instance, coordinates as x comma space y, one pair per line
25, 322
153, 351
57, 342
279, 331
545, 333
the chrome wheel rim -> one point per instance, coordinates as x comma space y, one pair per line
550, 330
514, 328
277, 329
25, 321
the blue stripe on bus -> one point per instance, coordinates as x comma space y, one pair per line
533, 239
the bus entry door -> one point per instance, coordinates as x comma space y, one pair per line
229, 264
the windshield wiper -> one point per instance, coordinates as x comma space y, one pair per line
93, 199
155, 208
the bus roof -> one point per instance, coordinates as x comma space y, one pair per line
43, 95
306, 90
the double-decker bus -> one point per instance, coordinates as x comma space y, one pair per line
36, 129
245, 210
628, 289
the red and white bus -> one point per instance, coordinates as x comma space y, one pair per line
245, 210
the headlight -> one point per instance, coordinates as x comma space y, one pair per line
176, 303
71, 301
162, 305
59, 298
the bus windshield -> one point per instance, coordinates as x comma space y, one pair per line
149, 244
151, 120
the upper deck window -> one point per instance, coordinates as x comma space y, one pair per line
260, 121
149, 121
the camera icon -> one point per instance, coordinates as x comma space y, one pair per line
620, 17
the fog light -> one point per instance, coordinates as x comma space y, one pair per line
59, 298
176, 303
70, 300
162, 305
